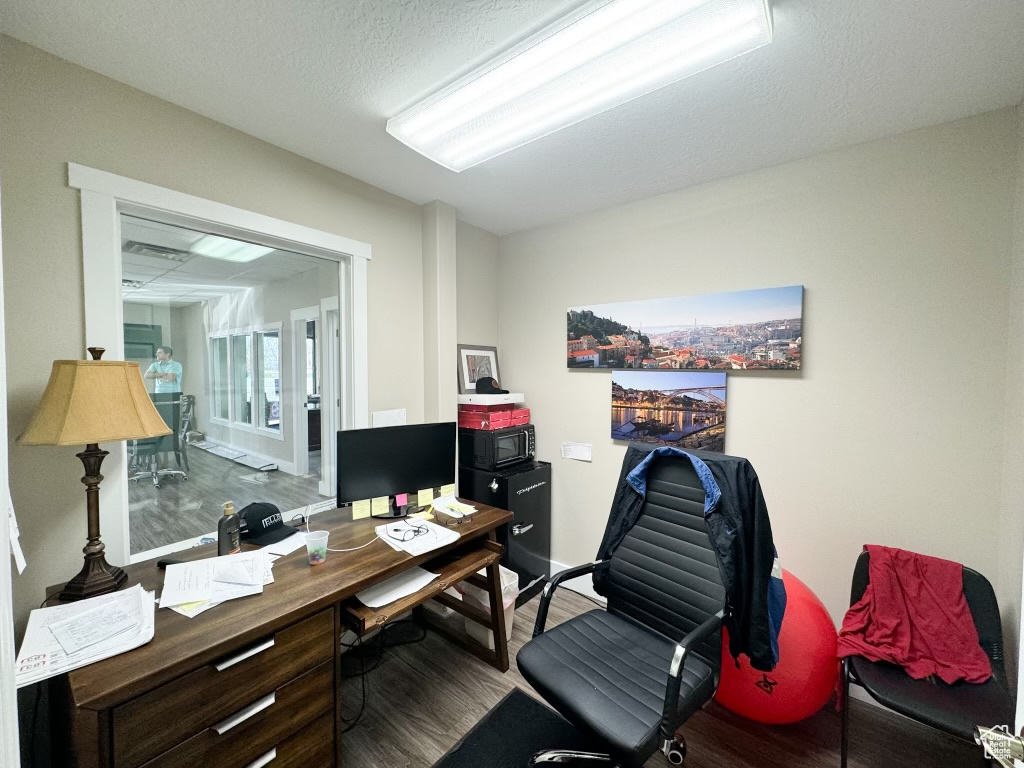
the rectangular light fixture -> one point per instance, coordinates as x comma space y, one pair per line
226, 249
606, 53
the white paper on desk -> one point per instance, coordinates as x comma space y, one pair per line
451, 506
395, 588
41, 654
435, 536
91, 627
235, 572
286, 546
191, 610
195, 582
382, 534
12, 524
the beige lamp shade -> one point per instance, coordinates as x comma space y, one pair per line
93, 401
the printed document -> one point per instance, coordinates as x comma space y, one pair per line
395, 588
417, 537
200, 580
94, 629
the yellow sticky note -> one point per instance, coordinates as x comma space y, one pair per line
379, 505
360, 509
421, 515
424, 497
446, 489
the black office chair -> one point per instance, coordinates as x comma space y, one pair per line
145, 453
956, 709
631, 675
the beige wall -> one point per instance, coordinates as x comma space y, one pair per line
477, 278
1011, 525
54, 112
892, 433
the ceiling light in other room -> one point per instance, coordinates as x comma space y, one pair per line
605, 54
224, 248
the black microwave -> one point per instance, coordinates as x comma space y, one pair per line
496, 448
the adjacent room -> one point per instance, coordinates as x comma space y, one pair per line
299, 473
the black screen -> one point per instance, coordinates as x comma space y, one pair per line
390, 460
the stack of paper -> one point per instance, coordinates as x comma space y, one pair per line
451, 506
388, 591
417, 537
197, 586
70, 636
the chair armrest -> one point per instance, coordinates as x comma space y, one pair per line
552, 585
675, 673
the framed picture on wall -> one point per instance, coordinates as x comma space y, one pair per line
476, 362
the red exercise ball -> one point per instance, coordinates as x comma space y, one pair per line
805, 676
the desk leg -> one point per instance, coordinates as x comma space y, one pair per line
497, 613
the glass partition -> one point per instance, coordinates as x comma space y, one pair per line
210, 322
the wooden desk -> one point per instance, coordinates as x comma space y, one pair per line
158, 705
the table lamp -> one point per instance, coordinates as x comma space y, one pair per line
88, 402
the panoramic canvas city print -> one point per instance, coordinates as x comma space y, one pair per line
684, 409
741, 330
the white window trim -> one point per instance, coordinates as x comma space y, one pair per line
231, 422
104, 196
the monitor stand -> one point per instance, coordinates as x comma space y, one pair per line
396, 511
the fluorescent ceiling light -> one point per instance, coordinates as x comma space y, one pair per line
224, 248
606, 53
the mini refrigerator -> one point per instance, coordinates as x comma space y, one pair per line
524, 490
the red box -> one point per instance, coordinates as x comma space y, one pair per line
521, 413
468, 408
518, 421
475, 420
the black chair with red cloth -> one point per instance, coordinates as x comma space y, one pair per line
956, 709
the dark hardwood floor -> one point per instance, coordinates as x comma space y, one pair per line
184, 509
425, 696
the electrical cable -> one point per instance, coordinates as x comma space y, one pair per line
353, 549
374, 647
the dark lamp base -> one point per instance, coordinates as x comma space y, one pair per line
97, 577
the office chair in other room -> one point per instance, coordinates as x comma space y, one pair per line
145, 452
632, 674
956, 709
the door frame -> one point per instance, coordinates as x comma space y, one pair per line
300, 418
9, 747
104, 197
332, 384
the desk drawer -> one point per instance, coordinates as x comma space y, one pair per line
153, 723
311, 747
247, 736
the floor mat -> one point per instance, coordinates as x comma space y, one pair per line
511, 733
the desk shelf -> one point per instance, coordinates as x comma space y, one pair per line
452, 569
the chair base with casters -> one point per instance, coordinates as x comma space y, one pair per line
631, 675
955, 709
155, 473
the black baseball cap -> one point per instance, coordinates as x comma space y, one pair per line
486, 385
262, 524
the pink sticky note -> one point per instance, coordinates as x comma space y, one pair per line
401, 499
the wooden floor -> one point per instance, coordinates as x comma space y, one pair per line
425, 696
180, 510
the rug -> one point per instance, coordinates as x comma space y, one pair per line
510, 734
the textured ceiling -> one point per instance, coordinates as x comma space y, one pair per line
321, 77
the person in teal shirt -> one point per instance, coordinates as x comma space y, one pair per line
165, 372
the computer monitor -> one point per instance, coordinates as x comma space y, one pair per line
388, 461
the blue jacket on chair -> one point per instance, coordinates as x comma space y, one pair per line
740, 534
